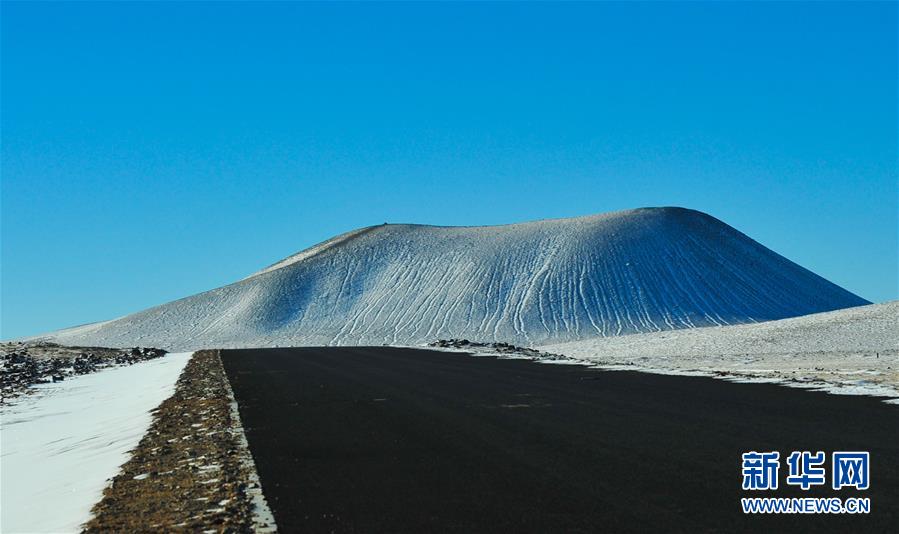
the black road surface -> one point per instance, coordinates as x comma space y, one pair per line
402, 440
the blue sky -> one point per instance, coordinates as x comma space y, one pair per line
154, 150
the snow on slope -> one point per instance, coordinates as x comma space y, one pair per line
62, 443
626, 272
846, 351
313, 250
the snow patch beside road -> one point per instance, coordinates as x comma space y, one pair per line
853, 351
61, 445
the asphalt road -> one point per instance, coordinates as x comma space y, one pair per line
402, 440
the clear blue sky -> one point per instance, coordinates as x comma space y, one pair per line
154, 150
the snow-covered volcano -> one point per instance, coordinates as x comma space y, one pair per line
533, 283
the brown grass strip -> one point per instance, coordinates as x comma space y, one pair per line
187, 472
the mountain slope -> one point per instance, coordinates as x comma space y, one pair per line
845, 351
547, 281
865, 330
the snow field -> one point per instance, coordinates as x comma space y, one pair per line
61, 444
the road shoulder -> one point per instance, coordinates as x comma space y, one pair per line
192, 469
